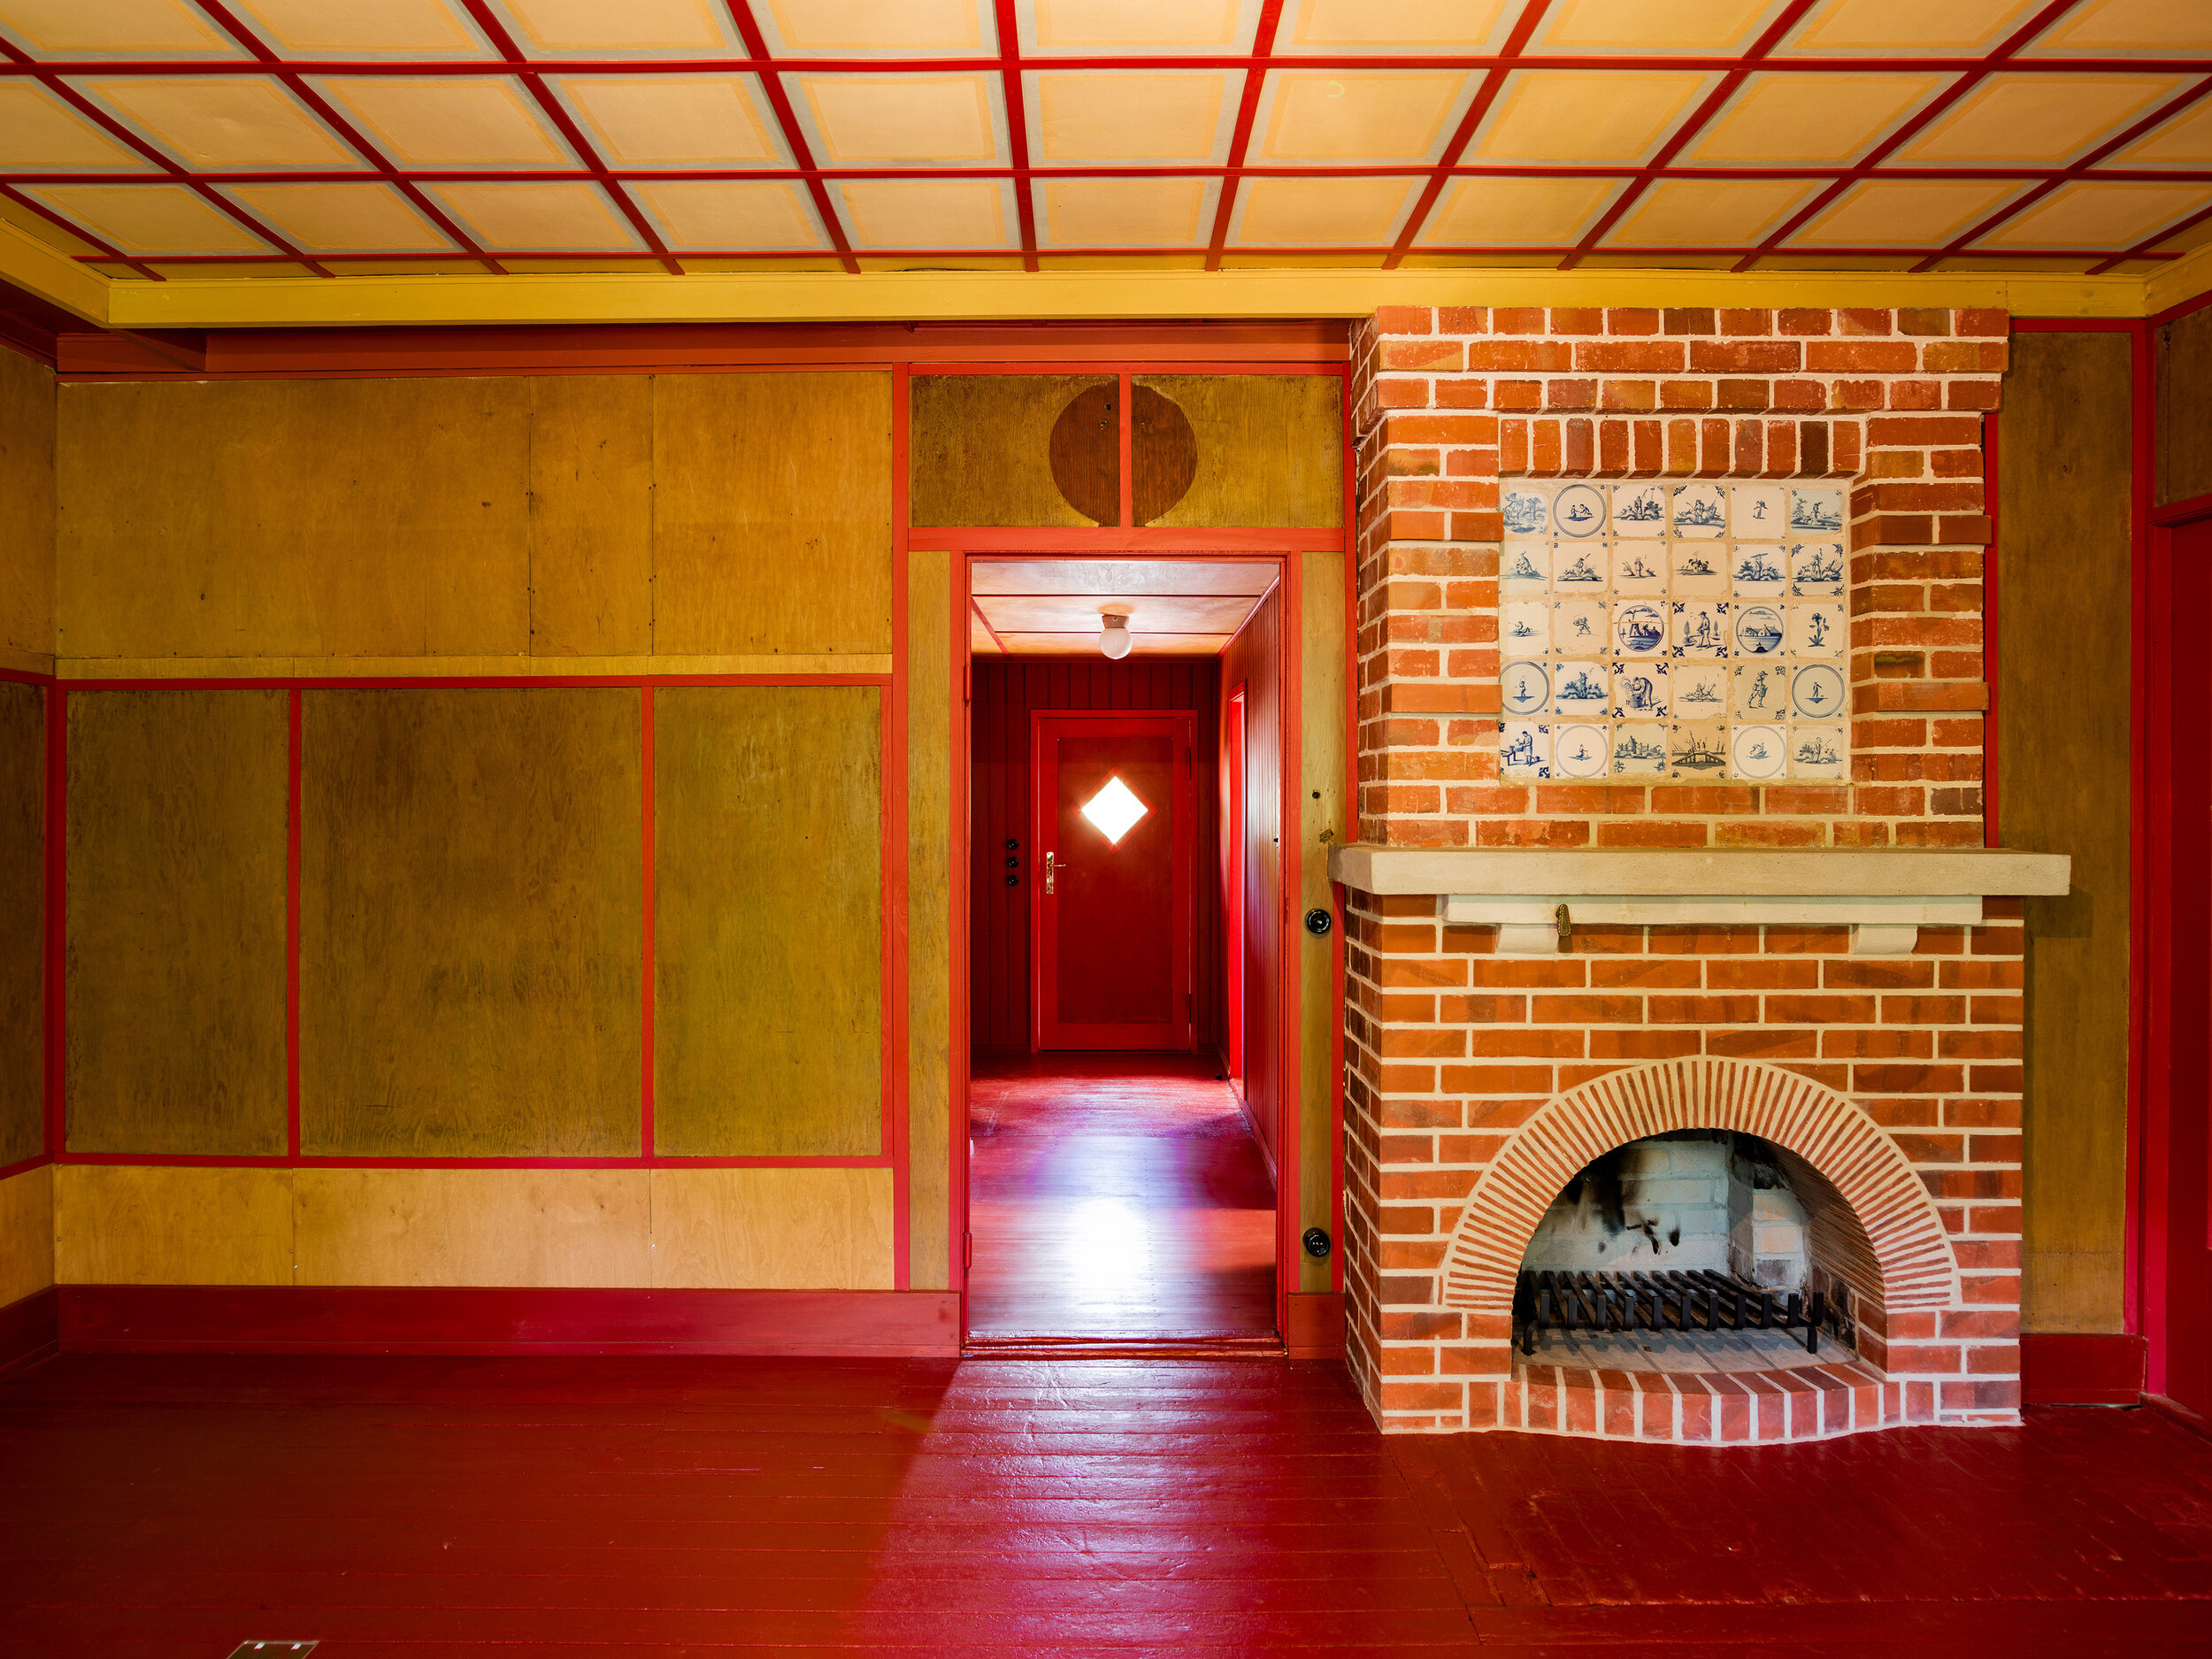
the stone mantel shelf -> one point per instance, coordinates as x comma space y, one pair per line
1534, 897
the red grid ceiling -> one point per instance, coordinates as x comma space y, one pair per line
149, 137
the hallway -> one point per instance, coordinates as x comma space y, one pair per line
1116, 1196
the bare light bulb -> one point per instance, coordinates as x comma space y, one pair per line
1113, 637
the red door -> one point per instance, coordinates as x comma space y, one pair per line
1111, 898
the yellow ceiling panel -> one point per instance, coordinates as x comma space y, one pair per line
149, 217
2099, 29
362, 28
2021, 119
808, 27
863, 120
1904, 212
224, 122
1587, 115
1382, 115
455, 121
549, 217
672, 120
2184, 142
114, 28
1142, 26
41, 229
1908, 28
927, 213
620, 28
2097, 214
1125, 213
1129, 115
1812, 120
732, 215
1401, 26
1321, 213
1710, 213
1516, 213
40, 133
1652, 28
342, 217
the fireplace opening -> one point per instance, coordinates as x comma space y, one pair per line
1696, 1251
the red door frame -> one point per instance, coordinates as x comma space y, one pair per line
1233, 874
1044, 814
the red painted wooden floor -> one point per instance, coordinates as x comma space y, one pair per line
174, 1506
1116, 1196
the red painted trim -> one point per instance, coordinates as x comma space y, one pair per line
1314, 1328
1351, 834
2181, 512
772, 73
958, 919
1122, 366
2197, 303
2150, 751
1125, 455
1992, 821
292, 926
23, 1166
25, 677
1231, 750
897, 1088
1016, 127
1290, 872
2180, 1414
648, 974
1240, 140
317, 1161
453, 1319
473, 682
30, 1331
2089, 1370
2076, 325
57, 917
1152, 540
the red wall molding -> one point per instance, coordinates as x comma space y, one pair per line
2091, 1370
30, 1330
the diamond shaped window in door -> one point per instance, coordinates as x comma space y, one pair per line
1115, 810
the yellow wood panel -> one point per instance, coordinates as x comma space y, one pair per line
2185, 426
928, 913
767, 872
772, 513
1270, 449
2062, 658
980, 448
27, 485
117, 1224
471, 920
455, 667
22, 921
769, 1229
1321, 776
591, 516
176, 861
579, 1227
294, 517
26, 1234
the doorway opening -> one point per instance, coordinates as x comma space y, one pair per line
1121, 1180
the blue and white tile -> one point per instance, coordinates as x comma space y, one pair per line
1758, 754
1700, 512
1639, 749
1524, 627
1526, 506
1699, 749
1578, 511
1525, 750
1763, 691
1525, 568
1581, 749
1816, 570
1816, 510
1639, 511
1580, 689
1756, 571
1581, 627
1757, 630
1818, 629
1579, 568
1818, 693
1640, 627
1525, 690
1639, 568
1697, 570
1819, 752
1699, 688
1755, 511
1701, 628
1639, 691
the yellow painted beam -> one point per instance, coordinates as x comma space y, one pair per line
2183, 280
52, 275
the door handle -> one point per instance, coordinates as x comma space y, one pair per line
1053, 867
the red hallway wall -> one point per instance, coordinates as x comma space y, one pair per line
1007, 691
1254, 660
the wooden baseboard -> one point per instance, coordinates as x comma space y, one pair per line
1316, 1325
410, 1320
2082, 1368
30, 1331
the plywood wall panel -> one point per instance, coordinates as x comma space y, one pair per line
22, 920
980, 448
176, 921
545, 1228
2183, 358
2064, 654
768, 916
26, 526
26, 1234
1322, 741
1253, 661
768, 1229
1270, 449
294, 519
772, 513
591, 516
470, 922
117, 1224
929, 711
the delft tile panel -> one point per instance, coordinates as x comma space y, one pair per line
1659, 629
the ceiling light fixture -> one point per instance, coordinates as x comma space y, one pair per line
1113, 637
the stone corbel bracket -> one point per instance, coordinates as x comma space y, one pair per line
1536, 897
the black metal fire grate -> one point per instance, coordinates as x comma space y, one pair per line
1676, 1302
